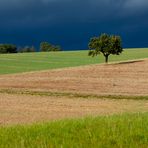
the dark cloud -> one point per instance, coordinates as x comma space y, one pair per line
72, 22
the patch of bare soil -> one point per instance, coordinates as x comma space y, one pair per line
20, 109
130, 78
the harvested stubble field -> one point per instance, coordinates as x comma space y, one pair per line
54, 94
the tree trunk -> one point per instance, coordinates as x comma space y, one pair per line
106, 58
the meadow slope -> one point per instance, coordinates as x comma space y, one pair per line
17, 63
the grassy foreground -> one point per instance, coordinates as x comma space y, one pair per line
25, 62
111, 131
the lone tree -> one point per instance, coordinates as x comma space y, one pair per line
105, 44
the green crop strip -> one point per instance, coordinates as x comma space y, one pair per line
71, 94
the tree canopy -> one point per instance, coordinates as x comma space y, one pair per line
105, 44
46, 47
8, 48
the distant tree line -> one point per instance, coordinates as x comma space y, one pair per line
47, 47
44, 47
8, 48
26, 49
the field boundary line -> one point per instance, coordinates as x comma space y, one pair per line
71, 95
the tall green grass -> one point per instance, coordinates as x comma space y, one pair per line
25, 62
127, 131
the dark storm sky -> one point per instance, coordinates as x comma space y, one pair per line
71, 23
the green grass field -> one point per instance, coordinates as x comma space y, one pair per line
25, 62
116, 131
128, 130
